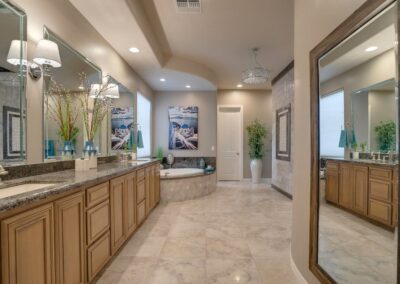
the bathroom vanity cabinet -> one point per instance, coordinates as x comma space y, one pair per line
69, 238
366, 189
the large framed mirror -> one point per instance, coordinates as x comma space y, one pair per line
63, 92
355, 146
12, 83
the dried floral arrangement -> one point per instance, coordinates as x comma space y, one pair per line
61, 108
94, 109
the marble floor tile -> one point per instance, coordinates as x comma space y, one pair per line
146, 247
223, 271
238, 234
126, 269
179, 271
275, 270
266, 248
187, 229
227, 248
188, 247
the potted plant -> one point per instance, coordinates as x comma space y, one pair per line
61, 108
363, 147
257, 133
94, 105
386, 135
356, 154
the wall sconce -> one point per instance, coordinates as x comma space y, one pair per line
46, 55
15, 53
95, 91
112, 91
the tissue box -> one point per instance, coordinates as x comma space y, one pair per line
82, 165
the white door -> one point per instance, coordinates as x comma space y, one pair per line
230, 142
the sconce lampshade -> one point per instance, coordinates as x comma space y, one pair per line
112, 91
47, 53
14, 53
94, 91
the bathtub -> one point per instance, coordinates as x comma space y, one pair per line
180, 173
185, 184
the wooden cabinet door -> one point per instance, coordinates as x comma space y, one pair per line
157, 185
27, 247
147, 182
346, 187
130, 198
332, 185
117, 188
360, 189
152, 187
69, 239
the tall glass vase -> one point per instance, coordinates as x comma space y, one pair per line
68, 150
90, 149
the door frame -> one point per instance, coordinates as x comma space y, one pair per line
240, 142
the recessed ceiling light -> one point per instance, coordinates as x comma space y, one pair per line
239, 85
134, 50
162, 80
371, 48
188, 86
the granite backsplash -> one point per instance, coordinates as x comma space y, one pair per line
26, 170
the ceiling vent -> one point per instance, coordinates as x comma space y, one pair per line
188, 6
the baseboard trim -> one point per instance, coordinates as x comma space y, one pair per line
281, 191
263, 180
295, 270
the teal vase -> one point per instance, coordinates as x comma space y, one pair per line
89, 148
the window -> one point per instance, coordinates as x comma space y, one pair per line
331, 123
144, 121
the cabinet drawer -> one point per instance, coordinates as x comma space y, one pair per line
98, 255
98, 221
380, 190
97, 194
141, 212
140, 191
380, 173
141, 174
380, 211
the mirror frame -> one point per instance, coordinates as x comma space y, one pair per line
23, 31
361, 16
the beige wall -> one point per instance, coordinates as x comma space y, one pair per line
256, 104
314, 20
207, 103
65, 21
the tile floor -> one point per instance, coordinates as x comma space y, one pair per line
239, 234
353, 250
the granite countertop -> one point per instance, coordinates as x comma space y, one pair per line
63, 181
365, 161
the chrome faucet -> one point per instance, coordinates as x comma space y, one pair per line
3, 172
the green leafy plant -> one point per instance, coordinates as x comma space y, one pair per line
386, 135
160, 153
354, 146
61, 108
257, 133
363, 146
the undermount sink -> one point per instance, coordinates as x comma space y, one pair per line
22, 188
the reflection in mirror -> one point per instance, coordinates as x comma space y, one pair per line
123, 130
64, 131
358, 155
12, 82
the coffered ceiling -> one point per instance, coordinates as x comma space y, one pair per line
206, 50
